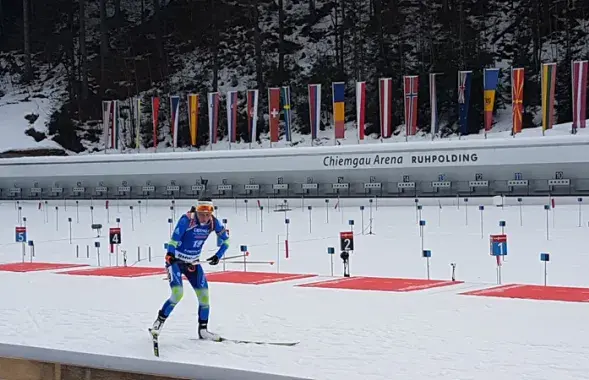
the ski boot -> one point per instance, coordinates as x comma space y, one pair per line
157, 325
205, 334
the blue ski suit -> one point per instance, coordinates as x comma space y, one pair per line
185, 247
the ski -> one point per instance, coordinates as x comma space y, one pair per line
240, 341
155, 341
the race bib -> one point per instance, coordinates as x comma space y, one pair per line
191, 259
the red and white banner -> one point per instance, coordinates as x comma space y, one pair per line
385, 91
274, 112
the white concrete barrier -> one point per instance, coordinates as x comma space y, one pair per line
128, 365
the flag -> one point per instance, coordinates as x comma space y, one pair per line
314, 109
517, 98
213, 104
274, 112
174, 110
338, 90
410, 88
579, 78
231, 116
155, 111
490, 81
433, 102
285, 97
193, 105
361, 108
385, 91
106, 122
548, 87
464, 80
252, 114
115, 125
137, 119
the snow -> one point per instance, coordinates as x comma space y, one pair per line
41, 99
433, 333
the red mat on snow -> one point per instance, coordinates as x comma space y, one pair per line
35, 267
124, 272
254, 278
380, 284
535, 292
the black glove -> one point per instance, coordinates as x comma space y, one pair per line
170, 258
213, 260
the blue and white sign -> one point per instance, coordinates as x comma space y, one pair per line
498, 245
20, 234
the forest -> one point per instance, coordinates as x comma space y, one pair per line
117, 49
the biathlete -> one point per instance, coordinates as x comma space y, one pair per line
182, 258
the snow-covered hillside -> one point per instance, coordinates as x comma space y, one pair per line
134, 49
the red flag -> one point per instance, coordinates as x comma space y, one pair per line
155, 111
410, 88
360, 108
274, 112
517, 98
385, 86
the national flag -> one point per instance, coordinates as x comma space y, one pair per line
106, 122
490, 81
339, 115
115, 127
274, 112
433, 102
385, 91
314, 109
517, 98
361, 108
464, 81
579, 78
548, 88
137, 118
252, 114
410, 89
193, 105
232, 116
174, 110
286, 106
155, 111
213, 104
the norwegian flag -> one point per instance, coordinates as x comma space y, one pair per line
410, 87
385, 86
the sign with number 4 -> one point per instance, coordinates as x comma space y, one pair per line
346, 241
114, 235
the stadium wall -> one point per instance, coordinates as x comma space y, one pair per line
226, 173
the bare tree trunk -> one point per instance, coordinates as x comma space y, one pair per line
341, 39
117, 9
281, 40
312, 8
103, 46
28, 75
158, 37
70, 52
215, 47
83, 52
1, 19
142, 12
257, 44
